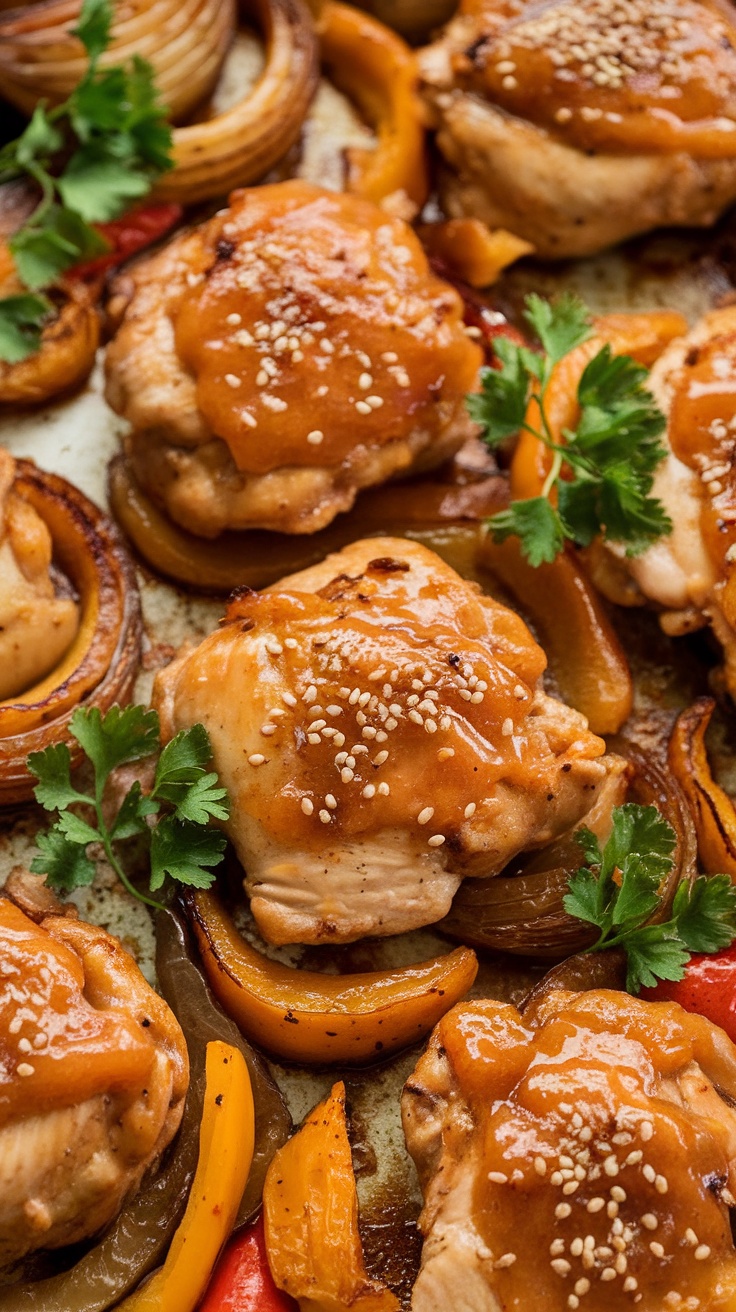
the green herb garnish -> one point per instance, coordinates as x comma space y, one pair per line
603, 473
180, 842
90, 157
618, 889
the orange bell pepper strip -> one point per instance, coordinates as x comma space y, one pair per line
584, 653
473, 252
304, 1016
642, 336
310, 1211
712, 809
226, 1141
376, 69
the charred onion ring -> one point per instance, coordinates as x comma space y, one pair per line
523, 913
241, 144
102, 662
376, 69
67, 353
185, 41
444, 516
713, 811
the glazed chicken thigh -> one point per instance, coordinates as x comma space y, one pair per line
382, 731
579, 1150
579, 123
93, 1076
690, 572
36, 625
280, 357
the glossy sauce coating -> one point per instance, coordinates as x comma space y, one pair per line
313, 324
58, 1048
644, 75
605, 1149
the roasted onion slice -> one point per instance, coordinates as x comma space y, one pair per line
522, 912
712, 808
66, 355
185, 41
241, 144
443, 515
101, 665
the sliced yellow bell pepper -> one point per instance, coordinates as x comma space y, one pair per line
305, 1016
310, 1212
226, 1141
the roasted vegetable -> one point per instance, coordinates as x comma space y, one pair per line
202, 1020
225, 1154
242, 1281
709, 988
522, 912
443, 515
241, 144
100, 666
712, 808
375, 68
585, 655
308, 1017
471, 250
66, 354
310, 1209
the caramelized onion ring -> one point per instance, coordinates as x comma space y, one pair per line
523, 913
444, 516
376, 69
185, 41
241, 144
713, 811
102, 662
66, 355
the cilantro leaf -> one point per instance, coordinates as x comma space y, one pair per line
94, 28
52, 768
75, 828
44, 251
560, 325
602, 471
619, 888
39, 140
182, 778
22, 319
184, 851
536, 523
64, 863
95, 185
131, 818
122, 736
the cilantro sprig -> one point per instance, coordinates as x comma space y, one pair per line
90, 159
618, 889
181, 845
602, 474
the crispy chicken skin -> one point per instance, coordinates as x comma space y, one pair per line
280, 357
580, 1150
93, 1076
690, 573
579, 123
36, 625
382, 731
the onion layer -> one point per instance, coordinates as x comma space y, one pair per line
240, 145
102, 662
66, 355
712, 808
523, 913
185, 41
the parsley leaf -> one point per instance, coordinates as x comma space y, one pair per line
602, 471
21, 320
180, 843
618, 889
90, 157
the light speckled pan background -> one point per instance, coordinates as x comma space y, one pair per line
77, 438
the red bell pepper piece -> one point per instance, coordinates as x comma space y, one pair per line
242, 1281
131, 233
708, 988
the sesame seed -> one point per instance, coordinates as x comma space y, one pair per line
646, 1130
325, 817
571, 1187
649, 1221
573, 1301
630, 1284
268, 729
390, 357
289, 698
369, 790
560, 1266
363, 408
634, 1158
562, 1211
508, 1259
507, 728
346, 775
649, 1172
364, 382
261, 378
291, 643
701, 1252
331, 801
274, 648
233, 320
656, 1248
256, 759
425, 815
24, 1045
436, 840
468, 812
557, 1247
582, 1286
607, 1274
375, 402
660, 1184
445, 753
498, 1177
25, 1069
315, 437
618, 1194
384, 790
307, 805
595, 1205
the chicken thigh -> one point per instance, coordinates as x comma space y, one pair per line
581, 1150
283, 355
93, 1076
579, 123
382, 731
